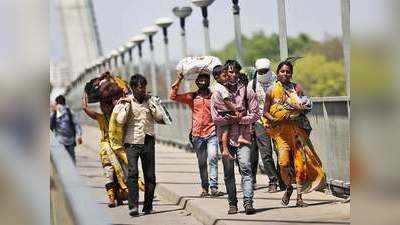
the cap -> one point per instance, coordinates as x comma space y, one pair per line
262, 63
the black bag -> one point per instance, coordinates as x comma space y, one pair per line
92, 91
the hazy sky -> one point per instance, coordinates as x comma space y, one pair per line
119, 20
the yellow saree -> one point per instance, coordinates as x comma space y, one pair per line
295, 150
107, 155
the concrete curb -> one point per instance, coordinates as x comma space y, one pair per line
187, 204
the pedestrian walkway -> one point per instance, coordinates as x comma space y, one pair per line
89, 167
178, 189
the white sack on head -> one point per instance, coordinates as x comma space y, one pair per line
192, 66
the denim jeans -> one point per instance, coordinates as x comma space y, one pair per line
207, 149
147, 157
243, 160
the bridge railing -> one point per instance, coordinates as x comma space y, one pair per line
70, 200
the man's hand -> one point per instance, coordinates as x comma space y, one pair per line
227, 155
179, 78
53, 107
79, 140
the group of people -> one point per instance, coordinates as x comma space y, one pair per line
237, 119
127, 125
242, 117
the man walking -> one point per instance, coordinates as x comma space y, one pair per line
246, 103
65, 126
139, 115
263, 79
205, 141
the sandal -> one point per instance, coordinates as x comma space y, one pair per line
286, 196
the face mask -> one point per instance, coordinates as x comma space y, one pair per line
264, 78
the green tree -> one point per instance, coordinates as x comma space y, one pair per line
320, 77
260, 45
320, 72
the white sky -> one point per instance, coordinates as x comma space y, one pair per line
118, 20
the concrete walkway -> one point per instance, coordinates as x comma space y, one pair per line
178, 188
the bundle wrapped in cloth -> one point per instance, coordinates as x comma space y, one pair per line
190, 67
163, 116
92, 88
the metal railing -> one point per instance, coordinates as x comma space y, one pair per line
329, 119
70, 201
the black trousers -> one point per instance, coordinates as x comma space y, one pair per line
146, 154
263, 145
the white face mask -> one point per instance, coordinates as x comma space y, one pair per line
265, 78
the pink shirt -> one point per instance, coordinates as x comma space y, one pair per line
253, 113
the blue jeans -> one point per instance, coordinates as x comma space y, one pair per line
207, 149
243, 160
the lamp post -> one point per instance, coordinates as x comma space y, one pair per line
182, 13
98, 66
282, 29
108, 62
129, 48
238, 31
114, 55
164, 23
101, 65
150, 32
345, 12
203, 4
121, 51
138, 40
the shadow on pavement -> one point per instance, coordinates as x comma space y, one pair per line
281, 221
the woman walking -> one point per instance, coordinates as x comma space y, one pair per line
284, 120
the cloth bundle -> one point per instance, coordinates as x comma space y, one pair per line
190, 67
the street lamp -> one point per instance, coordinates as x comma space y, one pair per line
150, 32
238, 31
114, 55
108, 61
121, 51
282, 29
182, 13
164, 23
129, 47
100, 64
203, 4
138, 40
